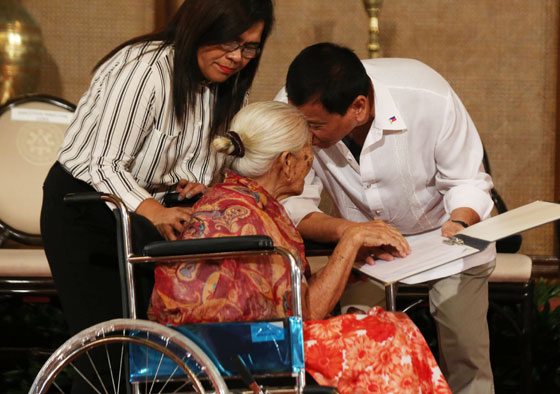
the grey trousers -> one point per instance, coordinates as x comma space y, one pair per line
459, 305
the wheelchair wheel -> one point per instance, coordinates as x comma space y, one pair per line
98, 360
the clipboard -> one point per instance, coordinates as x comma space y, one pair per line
430, 250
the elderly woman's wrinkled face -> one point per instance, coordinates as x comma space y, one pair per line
303, 162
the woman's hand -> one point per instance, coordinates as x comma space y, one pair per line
369, 255
168, 221
188, 189
377, 239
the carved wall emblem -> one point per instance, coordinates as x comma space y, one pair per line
38, 144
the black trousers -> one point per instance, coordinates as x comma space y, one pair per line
80, 242
81, 246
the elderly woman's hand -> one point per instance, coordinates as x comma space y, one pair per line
377, 239
326, 286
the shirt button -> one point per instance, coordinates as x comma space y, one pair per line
378, 212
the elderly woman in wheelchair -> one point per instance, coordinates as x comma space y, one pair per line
269, 154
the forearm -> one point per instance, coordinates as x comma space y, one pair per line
120, 183
151, 209
327, 285
321, 227
465, 215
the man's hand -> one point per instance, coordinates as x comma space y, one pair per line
168, 221
449, 228
188, 189
460, 219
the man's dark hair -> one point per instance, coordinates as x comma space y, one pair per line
329, 73
205, 22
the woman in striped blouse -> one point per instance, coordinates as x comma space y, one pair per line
144, 128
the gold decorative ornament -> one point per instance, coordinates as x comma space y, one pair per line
21, 51
373, 7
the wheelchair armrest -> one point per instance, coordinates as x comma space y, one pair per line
313, 248
169, 200
208, 245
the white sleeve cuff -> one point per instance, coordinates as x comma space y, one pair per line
470, 197
298, 208
307, 202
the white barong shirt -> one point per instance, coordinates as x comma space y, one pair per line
421, 159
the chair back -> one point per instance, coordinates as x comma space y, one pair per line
510, 244
31, 132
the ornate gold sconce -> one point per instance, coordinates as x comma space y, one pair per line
21, 50
373, 7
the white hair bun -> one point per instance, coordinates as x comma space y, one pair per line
223, 145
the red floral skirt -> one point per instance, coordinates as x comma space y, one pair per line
381, 352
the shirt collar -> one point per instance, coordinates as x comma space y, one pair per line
387, 116
259, 193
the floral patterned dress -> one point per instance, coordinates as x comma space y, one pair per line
381, 352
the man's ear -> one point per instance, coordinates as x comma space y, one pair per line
359, 107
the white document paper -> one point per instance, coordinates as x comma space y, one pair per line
428, 250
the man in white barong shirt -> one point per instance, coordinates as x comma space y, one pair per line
393, 142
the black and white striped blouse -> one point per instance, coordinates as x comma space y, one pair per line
124, 138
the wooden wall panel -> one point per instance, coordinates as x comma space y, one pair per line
501, 57
78, 33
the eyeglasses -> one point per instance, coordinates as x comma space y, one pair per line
248, 51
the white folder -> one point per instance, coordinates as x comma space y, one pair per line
430, 250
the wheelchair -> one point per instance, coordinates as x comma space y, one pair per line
144, 356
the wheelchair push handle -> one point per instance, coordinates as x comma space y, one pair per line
89, 197
73, 198
169, 200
